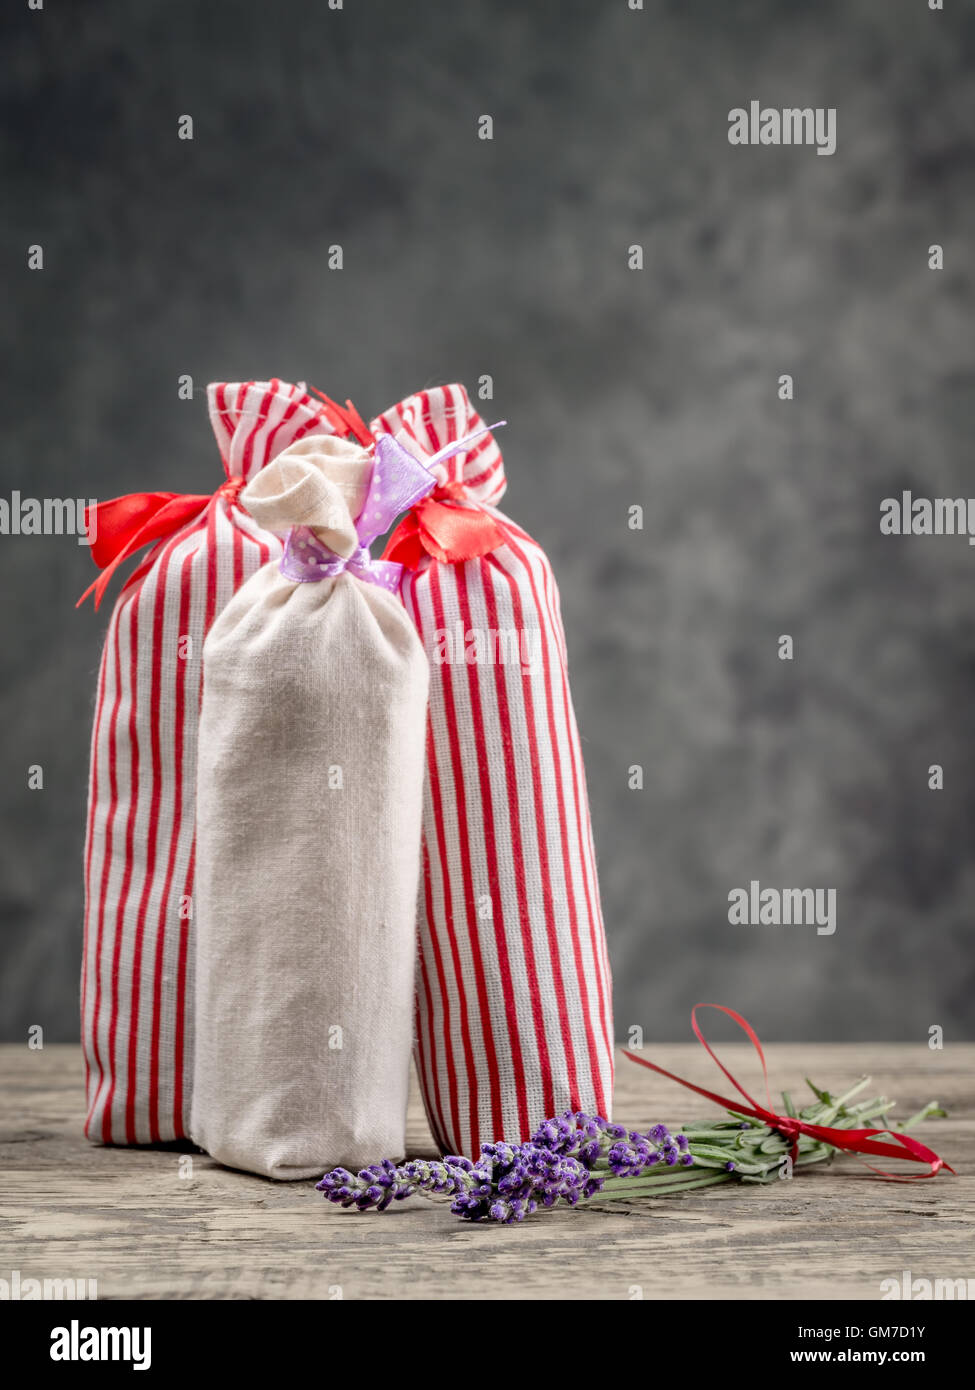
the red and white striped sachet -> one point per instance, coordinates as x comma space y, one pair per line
137, 986
513, 1009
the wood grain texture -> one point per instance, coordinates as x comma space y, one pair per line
127, 1218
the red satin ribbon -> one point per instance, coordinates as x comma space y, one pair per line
124, 525
860, 1141
438, 526
346, 421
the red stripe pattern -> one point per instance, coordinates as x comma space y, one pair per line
513, 1008
136, 987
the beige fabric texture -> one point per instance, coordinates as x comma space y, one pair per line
306, 890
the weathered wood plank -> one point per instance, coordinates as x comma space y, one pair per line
128, 1219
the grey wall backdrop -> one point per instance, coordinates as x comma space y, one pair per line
656, 388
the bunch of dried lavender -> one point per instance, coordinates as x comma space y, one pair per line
581, 1157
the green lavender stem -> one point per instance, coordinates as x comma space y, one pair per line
757, 1151
640, 1187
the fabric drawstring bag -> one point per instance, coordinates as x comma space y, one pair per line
137, 970
513, 1011
310, 790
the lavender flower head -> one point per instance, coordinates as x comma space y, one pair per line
508, 1182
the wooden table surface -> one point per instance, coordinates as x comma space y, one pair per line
127, 1218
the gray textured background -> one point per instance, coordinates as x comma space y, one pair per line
658, 388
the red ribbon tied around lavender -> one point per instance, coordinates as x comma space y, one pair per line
859, 1141
399, 479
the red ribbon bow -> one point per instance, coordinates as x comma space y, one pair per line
860, 1141
124, 525
447, 525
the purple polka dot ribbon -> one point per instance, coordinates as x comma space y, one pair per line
398, 480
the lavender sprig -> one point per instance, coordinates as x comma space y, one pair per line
577, 1158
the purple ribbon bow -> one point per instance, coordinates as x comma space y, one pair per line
398, 480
